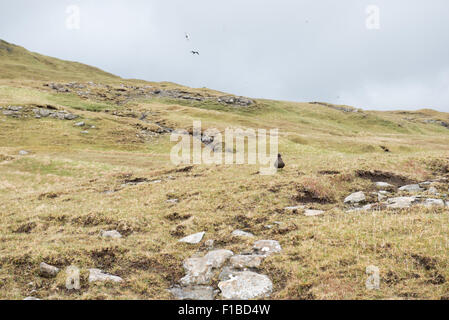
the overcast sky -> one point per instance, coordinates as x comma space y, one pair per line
299, 50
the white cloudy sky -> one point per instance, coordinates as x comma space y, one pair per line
301, 50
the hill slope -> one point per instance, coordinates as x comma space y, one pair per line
98, 158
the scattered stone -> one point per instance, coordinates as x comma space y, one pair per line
356, 197
381, 196
313, 213
172, 201
98, 275
400, 202
199, 271
384, 186
193, 293
246, 285
434, 203
32, 298
267, 247
294, 209
194, 238
114, 234
47, 270
80, 124
209, 243
411, 188
240, 233
433, 190
23, 153
85, 132
246, 261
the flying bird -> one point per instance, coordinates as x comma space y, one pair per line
187, 36
195, 52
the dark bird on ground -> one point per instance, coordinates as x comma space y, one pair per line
279, 164
195, 52
385, 149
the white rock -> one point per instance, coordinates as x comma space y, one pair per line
23, 153
80, 124
267, 247
47, 270
434, 203
411, 188
246, 285
110, 234
313, 213
98, 275
31, 298
246, 261
356, 197
85, 132
384, 186
172, 201
193, 238
240, 233
193, 293
217, 258
400, 202
294, 209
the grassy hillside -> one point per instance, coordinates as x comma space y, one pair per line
114, 173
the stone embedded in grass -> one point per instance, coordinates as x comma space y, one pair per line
114, 234
23, 153
246, 285
294, 209
172, 201
411, 188
434, 203
80, 124
199, 271
31, 298
313, 213
241, 233
384, 186
193, 238
98, 275
400, 202
267, 247
193, 293
433, 190
246, 261
85, 132
47, 270
356, 198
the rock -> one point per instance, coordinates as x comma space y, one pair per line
172, 201
209, 243
47, 270
364, 208
217, 258
382, 195
193, 293
313, 213
194, 238
434, 203
44, 113
400, 202
425, 184
433, 190
294, 209
356, 197
80, 124
246, 285
23, 153
227, 273
246, 261
110, 234
85, 132
243, 234
384, 186
98, 275
199, 271
411, 188
31, 298
267, 247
